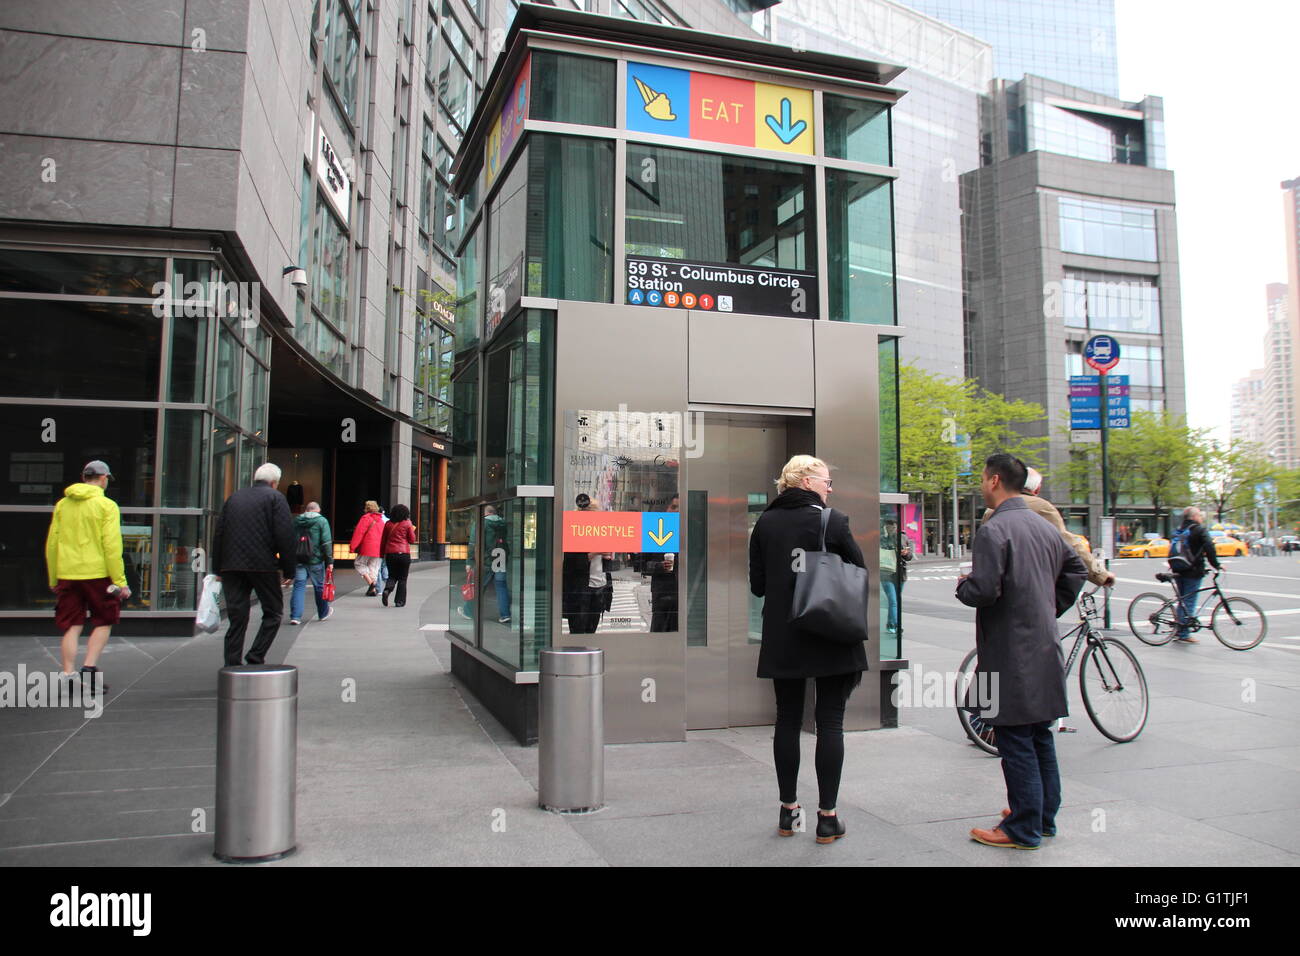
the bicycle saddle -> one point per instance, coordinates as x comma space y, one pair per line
1164, 576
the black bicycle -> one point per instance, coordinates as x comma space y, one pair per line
1238, 622
1111, 680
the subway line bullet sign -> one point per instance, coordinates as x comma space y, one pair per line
719, 109
652, 531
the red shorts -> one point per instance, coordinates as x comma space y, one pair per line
79, 598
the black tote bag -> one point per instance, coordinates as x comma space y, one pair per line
830, 596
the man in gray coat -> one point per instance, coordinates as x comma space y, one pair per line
1023, 577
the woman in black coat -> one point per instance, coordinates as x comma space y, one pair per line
792, 522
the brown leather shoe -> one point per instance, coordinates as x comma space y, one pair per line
996, 837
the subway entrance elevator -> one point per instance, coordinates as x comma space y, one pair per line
655, 310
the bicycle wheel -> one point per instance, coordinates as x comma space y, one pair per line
1114, 689
980, 733
1239, 623
1152, 619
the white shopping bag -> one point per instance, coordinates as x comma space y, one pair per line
208, 618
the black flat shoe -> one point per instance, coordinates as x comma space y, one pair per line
384, 598
829, 828
370, 591
788, 817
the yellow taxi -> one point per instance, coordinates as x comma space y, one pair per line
1153, 547
1226, 546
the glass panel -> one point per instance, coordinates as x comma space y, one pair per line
229, 355
184, 456
856, 129
467, 308
462, 471
572, 89
1107, 229
23, 582
462, 536
893, 545
860, 248
137, 561
178, 584
225, 466
570, 218
507, 234
61, 349
256, 382
331, 265
189, 339
721, 209
251, 457
67, 273
755, 504
518, 405
501, 529
889, 437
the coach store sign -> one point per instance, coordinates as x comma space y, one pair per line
332, 170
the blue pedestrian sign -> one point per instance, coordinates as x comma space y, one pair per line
1102, 353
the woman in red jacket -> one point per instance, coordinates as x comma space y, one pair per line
399, 535
365, 544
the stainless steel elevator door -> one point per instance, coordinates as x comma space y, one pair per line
734, 480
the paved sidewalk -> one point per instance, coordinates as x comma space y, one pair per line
412, 772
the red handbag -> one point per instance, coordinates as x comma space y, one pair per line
327, 589
467, 589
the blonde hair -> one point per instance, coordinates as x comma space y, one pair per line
372, 506
797, 469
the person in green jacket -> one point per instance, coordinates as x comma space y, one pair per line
83, 552
311, 530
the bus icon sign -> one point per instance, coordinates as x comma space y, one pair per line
1101, 353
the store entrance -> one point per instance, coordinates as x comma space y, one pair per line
727, 489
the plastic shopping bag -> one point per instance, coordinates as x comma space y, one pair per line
208, 618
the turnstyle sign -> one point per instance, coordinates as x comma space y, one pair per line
710, 287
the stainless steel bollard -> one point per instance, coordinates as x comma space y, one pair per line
571, 730
257, 762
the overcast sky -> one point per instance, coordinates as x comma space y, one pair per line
1227, 73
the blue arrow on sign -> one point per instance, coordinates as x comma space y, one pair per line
784, 131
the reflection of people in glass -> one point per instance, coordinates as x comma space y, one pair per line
662, 569
585, 582
895, 552
494, 537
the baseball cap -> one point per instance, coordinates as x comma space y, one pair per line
96, 468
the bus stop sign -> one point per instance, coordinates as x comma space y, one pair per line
1102, 353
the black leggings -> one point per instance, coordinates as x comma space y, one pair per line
832, 695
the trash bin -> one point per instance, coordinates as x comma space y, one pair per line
571, 730
257, 762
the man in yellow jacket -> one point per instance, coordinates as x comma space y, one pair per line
83, 552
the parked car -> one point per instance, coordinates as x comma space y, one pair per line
1150, 547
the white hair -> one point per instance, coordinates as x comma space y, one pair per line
269, 473
1033, 481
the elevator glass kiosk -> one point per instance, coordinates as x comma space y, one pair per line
676, 271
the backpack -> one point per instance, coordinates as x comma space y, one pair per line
305, 553
1181, 556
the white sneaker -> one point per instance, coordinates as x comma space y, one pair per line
294, 620
328, 614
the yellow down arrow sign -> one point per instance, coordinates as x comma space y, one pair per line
660, 538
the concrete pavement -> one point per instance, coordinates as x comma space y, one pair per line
398, 767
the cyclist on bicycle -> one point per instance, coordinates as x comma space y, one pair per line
1199, 549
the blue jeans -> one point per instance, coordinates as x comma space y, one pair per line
317, 573
890, 589
1033, 781
503, 593
1187, 588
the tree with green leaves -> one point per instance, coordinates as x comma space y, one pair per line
1225, 475
1166, 453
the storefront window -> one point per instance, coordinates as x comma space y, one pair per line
177, 581
330, 281
857, 130
514, 600
69, 273
860, 248
570, 218
462, 595
462, 473
62, 349
707, 207
225, 466
229, 356
572, 89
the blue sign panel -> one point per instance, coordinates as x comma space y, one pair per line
661, 531
658, 99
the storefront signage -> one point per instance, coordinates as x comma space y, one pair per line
622, 531
509, 124
708, 287
719, 109
331, 172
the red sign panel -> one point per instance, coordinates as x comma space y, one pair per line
602, 531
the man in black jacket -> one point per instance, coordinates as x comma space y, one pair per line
253, 550
1201, 546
